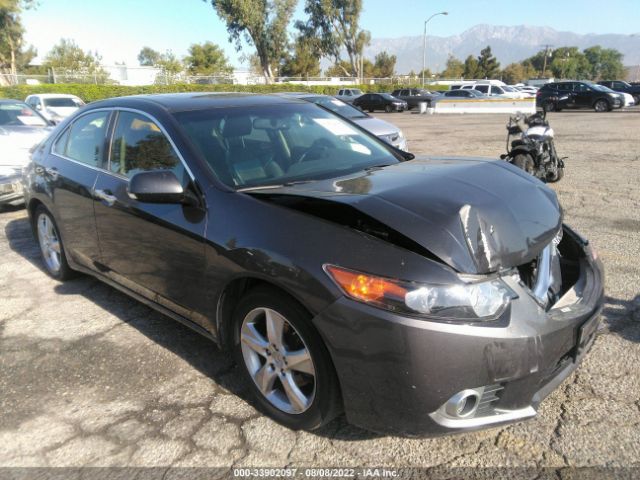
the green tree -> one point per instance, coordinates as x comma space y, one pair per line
304, 61
14, 55
171, 66
67, 58
207, 59
605, 63
472, 68
453, 69
336, 23
341, 68
148, 57
262, 23
569, 62
384, 65
488, 65
517, 73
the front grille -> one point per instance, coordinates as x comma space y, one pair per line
490, 395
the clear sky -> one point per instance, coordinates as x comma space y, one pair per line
117, 29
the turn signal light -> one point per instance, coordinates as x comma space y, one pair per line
364, 287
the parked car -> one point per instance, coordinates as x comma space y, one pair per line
623, 87
381, 129
21, 128
495, 90
527, 90
414, 96
418, 295
55, 107
461, 94
380, 101
578, 94
348, 95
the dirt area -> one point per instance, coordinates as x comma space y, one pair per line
91, 377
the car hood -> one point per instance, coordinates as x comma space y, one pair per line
476, 215
62, 112
16, 141
376, 126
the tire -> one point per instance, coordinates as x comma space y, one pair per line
388, 109
636, 99
557, 177
51, 246
525, 162
303, 399
371, 110
549, 106
601, 106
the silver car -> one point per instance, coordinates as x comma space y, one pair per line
21, 128
381, 129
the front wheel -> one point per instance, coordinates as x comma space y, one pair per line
549, 106
601, 106
284, 360
50, 242
557, 176
525, 162
388, 109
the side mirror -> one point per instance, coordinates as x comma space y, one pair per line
159, 186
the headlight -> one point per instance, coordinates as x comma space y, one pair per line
479, 301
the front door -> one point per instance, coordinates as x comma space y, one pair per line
156, 250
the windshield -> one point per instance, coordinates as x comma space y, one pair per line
339, 107
62, 102
600, 88
279, 144
20, 114
509, 89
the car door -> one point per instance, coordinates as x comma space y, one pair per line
583, 95
71, 171
156, 250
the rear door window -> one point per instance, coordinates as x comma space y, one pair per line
86, 139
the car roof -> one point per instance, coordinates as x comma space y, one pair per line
10, 100
53, 95
177, 102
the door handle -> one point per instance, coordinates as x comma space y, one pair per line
106, 196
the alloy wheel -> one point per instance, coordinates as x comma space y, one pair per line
49, 242
278, 360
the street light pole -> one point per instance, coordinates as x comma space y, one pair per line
424, 46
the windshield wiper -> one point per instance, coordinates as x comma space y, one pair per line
274, 185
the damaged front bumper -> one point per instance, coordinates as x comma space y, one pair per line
413, 376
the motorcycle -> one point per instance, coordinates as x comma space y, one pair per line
530, 147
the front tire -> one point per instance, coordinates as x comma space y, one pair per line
525, 162
601, 106
284, 360
549, 106
388, 109
557, 177
51, 247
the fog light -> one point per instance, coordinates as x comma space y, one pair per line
463, 404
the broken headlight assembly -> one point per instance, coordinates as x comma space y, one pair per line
480, 301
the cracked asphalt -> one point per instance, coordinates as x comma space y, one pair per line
90, 377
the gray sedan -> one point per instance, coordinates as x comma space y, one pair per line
21, 127
381, 129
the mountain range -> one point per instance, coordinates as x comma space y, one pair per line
508, 44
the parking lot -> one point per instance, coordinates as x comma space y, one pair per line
91, 377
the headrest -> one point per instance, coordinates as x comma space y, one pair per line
237, 126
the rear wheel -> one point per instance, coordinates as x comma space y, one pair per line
601, 106
285, 362
525, 162
50, 242
371, 110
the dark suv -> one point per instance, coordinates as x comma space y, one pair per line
558, 95
414, 96
624, 87
380, 101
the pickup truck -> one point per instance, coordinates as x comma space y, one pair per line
348, 95
623, 87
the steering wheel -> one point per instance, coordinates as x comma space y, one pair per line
317, 150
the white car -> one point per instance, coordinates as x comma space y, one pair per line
21, 128
54, 107
527, 90
492, 88
348, 95
628, 99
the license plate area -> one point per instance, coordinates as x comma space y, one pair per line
586, 333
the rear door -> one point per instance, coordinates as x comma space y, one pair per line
156, 250
583, 94
71, 171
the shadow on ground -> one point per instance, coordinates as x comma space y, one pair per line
195, 349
